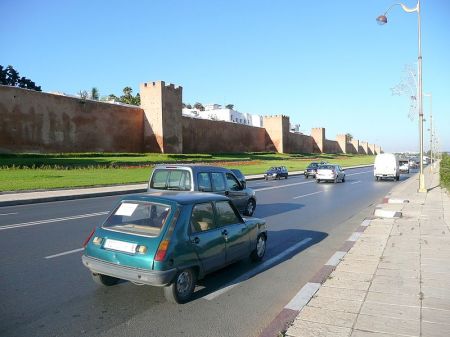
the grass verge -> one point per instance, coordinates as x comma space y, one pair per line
38, 172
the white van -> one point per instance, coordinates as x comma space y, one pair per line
386, 166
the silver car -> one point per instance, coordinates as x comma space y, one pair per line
330, 172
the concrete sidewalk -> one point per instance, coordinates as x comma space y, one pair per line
395, 280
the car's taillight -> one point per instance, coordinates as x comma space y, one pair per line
88, 238
162, 250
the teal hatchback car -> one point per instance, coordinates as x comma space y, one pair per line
171, 239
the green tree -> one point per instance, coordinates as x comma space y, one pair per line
94, 94
229, 106
349, 136
10, 76
199, 106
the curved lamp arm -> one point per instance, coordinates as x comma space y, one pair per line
382, 19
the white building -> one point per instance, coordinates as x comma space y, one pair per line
217, 112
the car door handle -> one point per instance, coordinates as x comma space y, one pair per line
224, 232
195, 240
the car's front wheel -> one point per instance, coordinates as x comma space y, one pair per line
250, 209
260, 249
104, 280
180, 291
317, 180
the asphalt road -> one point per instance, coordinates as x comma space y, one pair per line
46, 291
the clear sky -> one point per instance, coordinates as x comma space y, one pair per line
322, 63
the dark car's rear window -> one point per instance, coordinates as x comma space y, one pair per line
138, 217
171, 179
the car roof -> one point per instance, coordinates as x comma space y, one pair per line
171, 197
194, 168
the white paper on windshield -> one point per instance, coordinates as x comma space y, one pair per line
126, 209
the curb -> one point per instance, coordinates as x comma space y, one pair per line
117, 192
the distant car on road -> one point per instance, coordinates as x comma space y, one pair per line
403, 166
330, 172
171, 240
277, 172
311, 170
201, 178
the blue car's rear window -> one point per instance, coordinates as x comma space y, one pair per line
171, 179
138, 217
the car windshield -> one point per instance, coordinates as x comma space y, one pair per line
171, 179
138, 218
326, 167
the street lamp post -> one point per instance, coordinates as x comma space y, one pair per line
431, 128
382, 19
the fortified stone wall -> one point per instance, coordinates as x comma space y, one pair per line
298, 143
353, 146
32, 121
207, 136
332, 146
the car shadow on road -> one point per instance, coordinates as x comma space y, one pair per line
266, 210
282, 246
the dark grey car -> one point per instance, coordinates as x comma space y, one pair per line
204, 179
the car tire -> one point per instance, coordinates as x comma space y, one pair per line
285, 177
260, 249
182, 288
397, 178
335, 180
376, 178
317, 180
250, 208
306, 176
104, 280
343, 179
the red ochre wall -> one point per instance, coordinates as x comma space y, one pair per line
33, 121
207, 136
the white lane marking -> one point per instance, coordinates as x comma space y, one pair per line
40, 222
306, 195
355, 182
301, 183
355, 236
8, 213
256, 270
64, 253
284, 186
335, 259
303, 296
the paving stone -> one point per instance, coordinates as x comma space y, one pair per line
336, 304
347, 284
435, 330
436, 316
361, 333
396, 273
403, 312
351, 276
329, 317
388, 325
436, 303
301, 328
396, 299
435, 292
365, 268
346, 294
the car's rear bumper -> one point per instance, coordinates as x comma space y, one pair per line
150, 277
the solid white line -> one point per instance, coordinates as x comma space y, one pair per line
64, 253
255, 271
40, 222
305, 195
355, 182
335, 259
9, 213
355, 236
303, 296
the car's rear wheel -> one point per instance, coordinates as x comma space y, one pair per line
397, 178
306, 176
180, 291
317, 180
260, 249
335, 180
250, 209
285, 177
104, 280
343, 179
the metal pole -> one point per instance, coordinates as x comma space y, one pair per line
420, 94
431, 131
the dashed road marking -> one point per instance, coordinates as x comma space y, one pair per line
306, 195
40, 222
64, 253
8, 213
